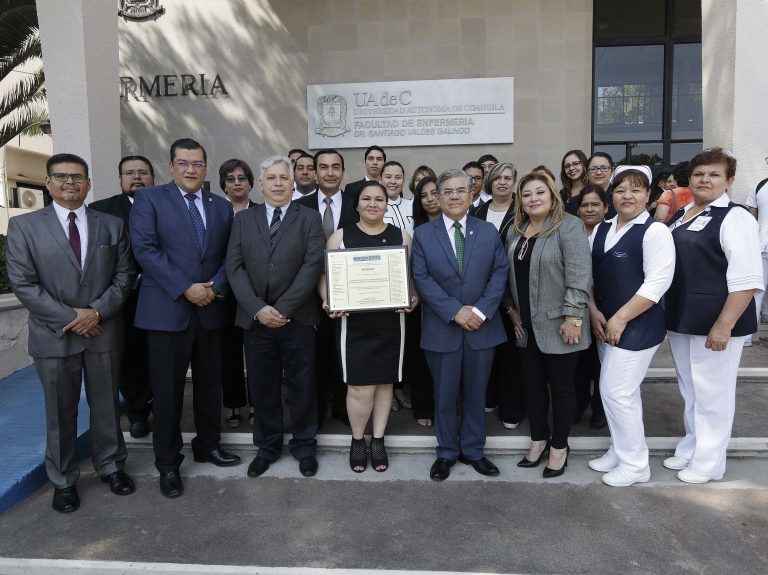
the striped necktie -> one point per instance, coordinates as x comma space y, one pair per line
458, 238
274, 225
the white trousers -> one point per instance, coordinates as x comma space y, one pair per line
621, 373
707, 381
760, 303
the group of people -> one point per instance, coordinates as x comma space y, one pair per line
524, 298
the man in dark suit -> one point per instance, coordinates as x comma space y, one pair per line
374, 159
336, 210
460, 270
304, 180
179, 234
72, 269
274, 260
134, 173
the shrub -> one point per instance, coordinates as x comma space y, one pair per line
5, 287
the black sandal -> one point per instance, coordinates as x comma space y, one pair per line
379, 454
358, 455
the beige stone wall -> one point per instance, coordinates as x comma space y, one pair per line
268, 51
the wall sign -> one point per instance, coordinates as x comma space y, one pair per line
412, 113
168, 85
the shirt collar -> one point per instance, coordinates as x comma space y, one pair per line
721, 202
448, 223
271, 209
335, 198
198, 193
638, 219
63, 213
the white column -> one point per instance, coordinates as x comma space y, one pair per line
735, 85
80, 55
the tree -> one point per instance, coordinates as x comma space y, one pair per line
22, 100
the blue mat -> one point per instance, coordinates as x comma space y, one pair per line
22, 435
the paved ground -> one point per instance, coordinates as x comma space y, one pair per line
517, 523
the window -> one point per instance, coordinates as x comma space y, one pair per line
647, 80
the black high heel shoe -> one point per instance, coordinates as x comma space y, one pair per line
525, 462
549, 473
358, 455
379, 454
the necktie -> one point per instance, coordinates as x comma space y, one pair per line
459, 240
74, 236
197, 221
275, 225
328, 218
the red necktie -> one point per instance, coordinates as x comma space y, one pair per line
74, 236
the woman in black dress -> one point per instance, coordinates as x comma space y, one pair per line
371, 344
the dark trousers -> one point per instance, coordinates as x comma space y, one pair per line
134, 378
587, 373
556, 371
170, 354
329, 384
505, 386
62, 378
233, 366
270, 352
417, 374
460, 374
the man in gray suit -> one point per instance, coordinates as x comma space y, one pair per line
274, 260
72, 269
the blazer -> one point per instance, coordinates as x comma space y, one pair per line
118, 205
48, 280
282, 274
348, 215
353, 187
444, 290
481, 212
561, 268
165, 246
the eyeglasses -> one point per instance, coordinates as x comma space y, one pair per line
475, 178
575, 164
185, 164
62, 177
233, 179
458, 192
132, 173
596, 169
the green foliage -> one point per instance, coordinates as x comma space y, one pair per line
22, 106
5, 287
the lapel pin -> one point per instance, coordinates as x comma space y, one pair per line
471, 232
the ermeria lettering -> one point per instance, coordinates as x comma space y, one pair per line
169, 85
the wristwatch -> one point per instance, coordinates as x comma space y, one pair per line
575, 321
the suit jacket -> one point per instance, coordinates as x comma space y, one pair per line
353, 187
48, 280
165, 246
561, 267
118, 205
444, 291
348, 215
282, 274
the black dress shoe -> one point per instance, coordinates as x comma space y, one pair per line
217, 456
441, 469
598, 421
258, 466
139, 428
483, 466
308, 466
549, 473
525, 462
119, 482
66, 500
170, 483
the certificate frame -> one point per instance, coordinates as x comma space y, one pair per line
367, 279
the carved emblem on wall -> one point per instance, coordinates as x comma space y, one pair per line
331, 116
140, 9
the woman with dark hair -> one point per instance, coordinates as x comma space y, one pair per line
592, 205
658, 187
419, 173
399, 209
505, 386
549, 275
573, 176
236, 181
633, 260
426, 208
426, 201
676, 197
710, 309
600, 169
370, 343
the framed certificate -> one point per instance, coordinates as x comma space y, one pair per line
367, 279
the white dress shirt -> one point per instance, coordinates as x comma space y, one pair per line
740, 241
658, 253
198, 203
335, 206
271, 212
81, 222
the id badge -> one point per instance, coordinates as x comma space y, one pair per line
699, 223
